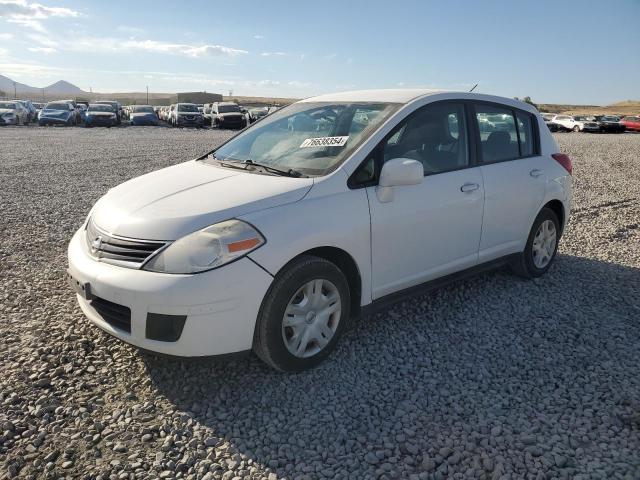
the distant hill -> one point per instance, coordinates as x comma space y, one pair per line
60, 88
627, 107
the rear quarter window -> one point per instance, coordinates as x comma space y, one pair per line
505, 133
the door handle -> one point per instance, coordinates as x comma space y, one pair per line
469, 187
535, 173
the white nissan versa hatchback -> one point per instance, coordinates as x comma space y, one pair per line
273, 240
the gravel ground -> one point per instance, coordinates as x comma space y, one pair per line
493, 377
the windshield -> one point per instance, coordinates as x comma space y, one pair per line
187, 107
228, 108
312, 138
100, 108
9, 105
143, 110
610, 119
57, 106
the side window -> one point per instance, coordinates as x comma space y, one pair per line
435, 135
498, 135
366, 173
525, 133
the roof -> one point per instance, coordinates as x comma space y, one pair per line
395, 95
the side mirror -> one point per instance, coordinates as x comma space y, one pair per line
398, 172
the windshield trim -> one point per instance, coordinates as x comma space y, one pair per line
395, 107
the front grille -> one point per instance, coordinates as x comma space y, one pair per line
118, 316
125, 252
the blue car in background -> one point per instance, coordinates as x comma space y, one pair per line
100, 115
143, 115
58, 113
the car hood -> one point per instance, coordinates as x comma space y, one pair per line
6, 110
170, 203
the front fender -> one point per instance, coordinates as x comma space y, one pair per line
339, 220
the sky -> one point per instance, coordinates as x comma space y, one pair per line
579, 52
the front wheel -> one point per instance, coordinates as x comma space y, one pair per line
302, 315
576, 128
541, 247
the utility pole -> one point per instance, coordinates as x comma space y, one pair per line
43, 95
147, 94
15, 95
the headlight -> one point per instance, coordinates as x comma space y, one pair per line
206, 249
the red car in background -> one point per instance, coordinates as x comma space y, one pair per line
632, 123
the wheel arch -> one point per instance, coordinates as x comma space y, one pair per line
558, 208
347, 264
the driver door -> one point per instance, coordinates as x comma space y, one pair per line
432, 229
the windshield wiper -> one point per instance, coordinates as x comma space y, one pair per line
286, 173
244, 164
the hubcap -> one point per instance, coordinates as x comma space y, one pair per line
311, 318
544, 244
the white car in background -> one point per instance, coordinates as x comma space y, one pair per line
274, 240
567, 122
13, 113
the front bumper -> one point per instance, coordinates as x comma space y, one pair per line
100, 121
238, 122
53, 121
221, 306
186, 122
6, 121
144, 121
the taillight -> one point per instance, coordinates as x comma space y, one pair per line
563, 160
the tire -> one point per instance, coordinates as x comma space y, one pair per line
273, 342
576, 128
530, 263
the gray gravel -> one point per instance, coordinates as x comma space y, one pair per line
493, 377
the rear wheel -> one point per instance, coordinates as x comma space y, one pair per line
541, 247
302, 315
576, 128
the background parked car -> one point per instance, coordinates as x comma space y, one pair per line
81, 109
610, 124
568, 123
38, 107
186, 115
227, 115
31, 110
13, 112
256, 114
631, 123
117, 108
589, 123
143, 115
100, 115
548, 120
58, 113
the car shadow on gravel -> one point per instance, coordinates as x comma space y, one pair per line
493, 365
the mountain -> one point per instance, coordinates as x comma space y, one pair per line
61, 87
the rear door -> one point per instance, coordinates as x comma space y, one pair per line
513, 174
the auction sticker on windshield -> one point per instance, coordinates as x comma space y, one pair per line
324, 142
